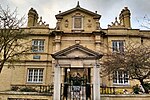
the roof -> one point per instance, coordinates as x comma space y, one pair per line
78, 8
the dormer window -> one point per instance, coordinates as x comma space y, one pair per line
77, 23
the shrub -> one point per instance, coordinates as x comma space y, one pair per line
27, 89
14, 88
147, 86
136, 89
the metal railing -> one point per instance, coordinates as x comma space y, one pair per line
107, 90
82, 92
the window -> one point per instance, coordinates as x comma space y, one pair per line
38, 45
120, 77
118, 46
35, 75
77, 22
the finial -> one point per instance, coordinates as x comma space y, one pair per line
115, 18
78, 5
41, 19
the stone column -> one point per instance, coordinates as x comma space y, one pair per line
57, 82
57, 69
58, 36
98, 40
57, 42
96, 82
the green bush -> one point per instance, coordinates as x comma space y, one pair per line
136, 89
14, 88
147, 86
27, 89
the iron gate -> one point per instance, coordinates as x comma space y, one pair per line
76, 88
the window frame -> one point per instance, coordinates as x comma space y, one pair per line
39, 46
121, 79
35, 77
74, 17
118, 46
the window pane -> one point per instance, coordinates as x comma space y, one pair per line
118, 46
114, 44
121, 46
40, 75
120, 76
126, 77
35, 75
30, 73
115, 77
38, 45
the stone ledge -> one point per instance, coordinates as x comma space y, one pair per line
24, 93
125, 95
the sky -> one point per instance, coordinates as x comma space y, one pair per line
108, 9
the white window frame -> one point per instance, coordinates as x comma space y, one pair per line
120, 79
38, 45
81, 23
35, 75
117, 47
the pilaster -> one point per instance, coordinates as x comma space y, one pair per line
57, 41
98, 39
96, 82
57, 82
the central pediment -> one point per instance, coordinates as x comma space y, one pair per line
78, 8
76, 52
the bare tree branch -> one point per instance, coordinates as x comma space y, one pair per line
135, 60
12, 42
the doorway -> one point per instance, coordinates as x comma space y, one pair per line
77, 84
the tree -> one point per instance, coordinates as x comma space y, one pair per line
135, 60
144, 22
12, 36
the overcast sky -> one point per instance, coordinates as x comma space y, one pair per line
109, 9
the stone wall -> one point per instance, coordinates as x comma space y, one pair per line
126, 97
24, 96
39, 96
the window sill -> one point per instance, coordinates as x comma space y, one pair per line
31, 83
37, 53
77, 30
121, 85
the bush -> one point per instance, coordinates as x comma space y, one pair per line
27, 89
136, 89
14, 88
147, 86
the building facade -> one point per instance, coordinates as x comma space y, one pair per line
69, 55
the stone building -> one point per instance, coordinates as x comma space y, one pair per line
68, 56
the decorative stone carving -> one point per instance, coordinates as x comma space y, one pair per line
97, 25
41, 23
115, 24
77, 22
58, 24
89, 24
66, 23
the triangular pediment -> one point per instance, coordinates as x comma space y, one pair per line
78, 8
76, 52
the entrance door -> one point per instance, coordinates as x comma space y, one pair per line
77, 85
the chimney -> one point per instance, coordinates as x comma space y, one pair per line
125, 17
32, 17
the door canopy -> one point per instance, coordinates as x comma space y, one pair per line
77, 52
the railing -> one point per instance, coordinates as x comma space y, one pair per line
107, 90
82, 92
33, 88
49, 89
